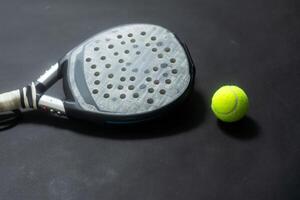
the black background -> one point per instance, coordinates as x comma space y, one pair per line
254, 44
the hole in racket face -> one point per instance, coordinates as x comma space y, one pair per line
130, 69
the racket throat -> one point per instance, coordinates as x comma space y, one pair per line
51, 76
31, 100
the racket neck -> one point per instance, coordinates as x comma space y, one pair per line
51, 76
28, 97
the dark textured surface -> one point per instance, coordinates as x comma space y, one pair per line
254, 44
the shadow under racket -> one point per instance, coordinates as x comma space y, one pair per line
186, 117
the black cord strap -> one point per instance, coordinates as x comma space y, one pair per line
9, 119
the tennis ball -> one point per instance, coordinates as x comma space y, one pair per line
229, 103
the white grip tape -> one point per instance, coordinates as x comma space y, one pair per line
10, 101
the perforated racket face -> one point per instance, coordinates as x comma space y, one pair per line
128, 70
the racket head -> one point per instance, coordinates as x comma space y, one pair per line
126, 74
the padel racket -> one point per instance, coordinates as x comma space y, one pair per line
128, 73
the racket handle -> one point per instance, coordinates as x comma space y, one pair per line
10, 101
22, 99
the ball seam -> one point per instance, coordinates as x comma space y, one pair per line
235, 105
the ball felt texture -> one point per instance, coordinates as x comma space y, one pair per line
229, 103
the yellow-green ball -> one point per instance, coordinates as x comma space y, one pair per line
229, 103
